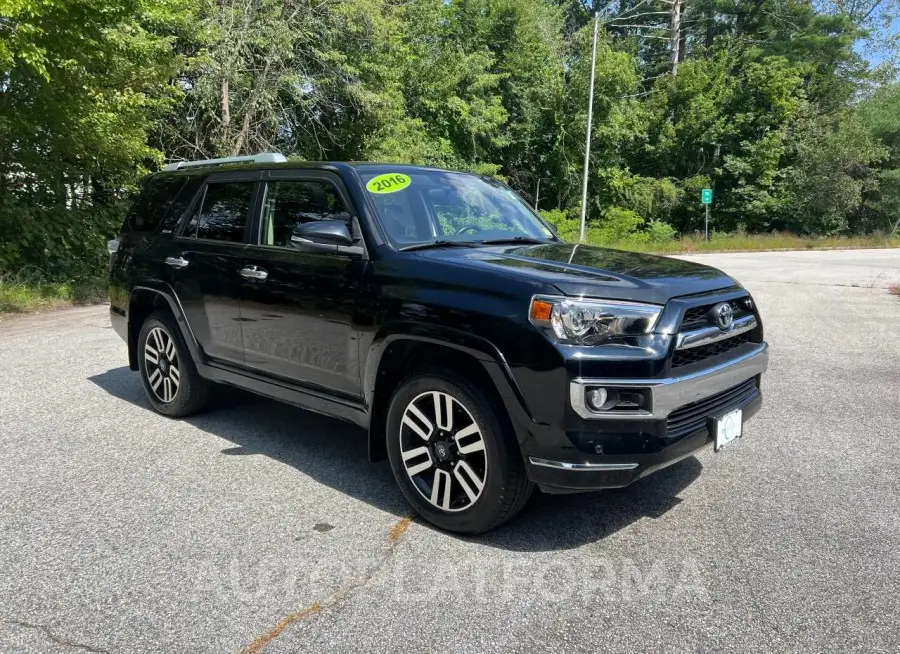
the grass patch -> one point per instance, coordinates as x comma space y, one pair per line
17, 296
894, 290
756, 243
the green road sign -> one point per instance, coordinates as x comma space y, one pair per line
706, 196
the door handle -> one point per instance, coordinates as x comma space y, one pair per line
254, 272
177, 262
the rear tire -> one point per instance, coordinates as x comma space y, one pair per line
170, 378
454, 454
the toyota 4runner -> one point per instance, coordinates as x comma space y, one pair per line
435, 309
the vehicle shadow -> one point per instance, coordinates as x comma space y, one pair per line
335, 453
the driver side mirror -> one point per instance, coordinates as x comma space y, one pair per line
327, 232
324, 236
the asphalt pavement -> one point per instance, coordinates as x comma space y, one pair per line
257, 526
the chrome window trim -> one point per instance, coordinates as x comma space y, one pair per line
670, 393
713, 334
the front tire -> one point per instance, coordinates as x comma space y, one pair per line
453, 453
170, 378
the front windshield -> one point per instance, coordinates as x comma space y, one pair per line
422, 206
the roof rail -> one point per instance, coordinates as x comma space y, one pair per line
264, 157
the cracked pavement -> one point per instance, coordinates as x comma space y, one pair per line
260, 527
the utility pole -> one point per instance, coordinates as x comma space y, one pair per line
537, 194
706, 225
675, 36
587, 145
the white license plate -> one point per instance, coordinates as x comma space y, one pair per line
728, 428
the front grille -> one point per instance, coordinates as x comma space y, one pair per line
692, 417
698, 317
695, 354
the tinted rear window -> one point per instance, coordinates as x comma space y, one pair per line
152, 204
180, 205
222, 214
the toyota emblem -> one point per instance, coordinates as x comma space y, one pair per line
723, 315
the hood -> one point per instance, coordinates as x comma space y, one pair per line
585, 270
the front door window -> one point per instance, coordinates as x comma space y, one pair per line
292, 203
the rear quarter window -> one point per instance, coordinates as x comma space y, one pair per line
180, 205
156, 198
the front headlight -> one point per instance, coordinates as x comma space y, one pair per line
589, 322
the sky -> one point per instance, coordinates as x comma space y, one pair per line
876, 57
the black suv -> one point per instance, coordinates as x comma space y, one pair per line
435, 309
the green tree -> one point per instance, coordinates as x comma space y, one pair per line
881, 115
771, 106
82, 84
833, 159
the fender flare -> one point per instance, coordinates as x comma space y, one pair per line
482, 350
168, 294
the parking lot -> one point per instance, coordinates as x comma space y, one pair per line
257, 526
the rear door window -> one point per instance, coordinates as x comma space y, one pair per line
222, 213
154, 201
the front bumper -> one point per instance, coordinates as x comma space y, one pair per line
614, 449
668, 394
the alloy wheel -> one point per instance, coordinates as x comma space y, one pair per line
161, 364
443, 451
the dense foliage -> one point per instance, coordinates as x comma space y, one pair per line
766, 101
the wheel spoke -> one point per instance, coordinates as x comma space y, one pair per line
170, 349
155, 379
416, 453
168, 394
151, 354
419, 468
441, 476
474, 445
443, 411
175, 376
465, 476
408, 421
157, 337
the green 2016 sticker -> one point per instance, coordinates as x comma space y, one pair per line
389, 183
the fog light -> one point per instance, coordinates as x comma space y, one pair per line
596, 398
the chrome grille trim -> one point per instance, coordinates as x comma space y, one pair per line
708, 335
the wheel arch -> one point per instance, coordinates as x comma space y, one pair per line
397, 354
143, 301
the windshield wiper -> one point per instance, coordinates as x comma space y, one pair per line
440, 243
514, 240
